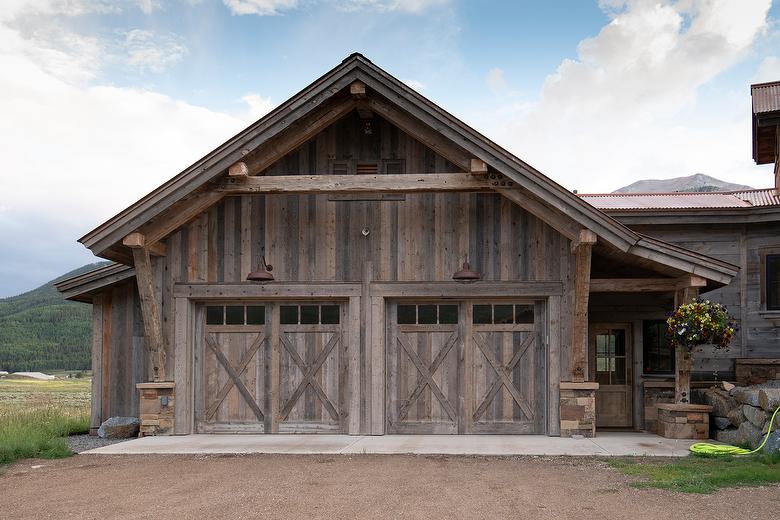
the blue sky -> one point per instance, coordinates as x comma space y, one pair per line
103, 100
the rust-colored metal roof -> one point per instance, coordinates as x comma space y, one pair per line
766, 97
683, 200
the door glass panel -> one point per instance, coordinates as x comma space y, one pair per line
426, 314
234, 315
448, 314
329, 314
310, 314
215, 315
288, 314
503, 314
483, 314
611, 368
255, 315
524, 313
407, 314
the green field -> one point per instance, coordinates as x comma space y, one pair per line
36, 416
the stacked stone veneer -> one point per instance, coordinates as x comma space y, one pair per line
741, 415
156, 408
578, 409
683, 421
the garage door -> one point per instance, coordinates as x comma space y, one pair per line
465, 367
236, 379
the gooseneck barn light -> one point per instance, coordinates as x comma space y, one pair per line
263, 273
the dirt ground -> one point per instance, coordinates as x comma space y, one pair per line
310, 487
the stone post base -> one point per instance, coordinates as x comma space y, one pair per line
578, 409
156, 408
684, 421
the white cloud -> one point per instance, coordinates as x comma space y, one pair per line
78, 152
258, 105
149, 6
495, 80
629, 106
260, 7
146, 50
408, 6
769, 70
419, 86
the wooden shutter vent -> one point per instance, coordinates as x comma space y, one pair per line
367, 169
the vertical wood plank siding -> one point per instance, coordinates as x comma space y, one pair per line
415, 237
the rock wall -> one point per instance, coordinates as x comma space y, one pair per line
741, 414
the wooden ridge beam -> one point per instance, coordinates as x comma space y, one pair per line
240, 169
395, 183
150, 311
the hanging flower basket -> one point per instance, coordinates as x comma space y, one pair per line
701, 322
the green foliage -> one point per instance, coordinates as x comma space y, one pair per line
40, 331
695, 474
36, 416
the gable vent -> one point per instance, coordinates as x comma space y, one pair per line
367, 169
340, 168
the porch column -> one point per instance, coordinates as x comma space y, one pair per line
149, 309
582, 249
687, 291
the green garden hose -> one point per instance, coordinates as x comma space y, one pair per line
706, 448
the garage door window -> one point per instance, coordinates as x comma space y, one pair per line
235, 315
502, 313
309, 314
427, 314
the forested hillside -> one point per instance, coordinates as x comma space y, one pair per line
41, 331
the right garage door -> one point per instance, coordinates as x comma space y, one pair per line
465, 367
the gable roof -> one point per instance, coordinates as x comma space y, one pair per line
357, 68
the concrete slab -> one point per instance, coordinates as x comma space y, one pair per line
606, 445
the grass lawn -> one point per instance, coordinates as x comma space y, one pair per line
36, 416
698, 474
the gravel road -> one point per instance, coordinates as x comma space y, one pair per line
314, 487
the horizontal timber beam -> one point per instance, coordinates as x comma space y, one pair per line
270, 290
608, 285
399, 183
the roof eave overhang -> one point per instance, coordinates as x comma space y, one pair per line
83, 287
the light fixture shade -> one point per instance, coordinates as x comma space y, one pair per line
466, 275
263, 273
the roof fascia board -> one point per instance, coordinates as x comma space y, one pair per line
77, 288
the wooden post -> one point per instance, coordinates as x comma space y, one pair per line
683, 358
582, 248
149, 308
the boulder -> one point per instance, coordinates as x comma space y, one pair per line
773, 443
769, 399
749, 435
727, 386
119, 428
730, 436
721, 423
736, 416
747, 396
720, 400
756, 416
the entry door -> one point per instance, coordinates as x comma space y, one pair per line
610, 348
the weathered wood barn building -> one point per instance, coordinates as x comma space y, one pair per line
367, 199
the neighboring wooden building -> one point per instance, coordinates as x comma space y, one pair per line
367, 198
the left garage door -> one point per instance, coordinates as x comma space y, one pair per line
250, 356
